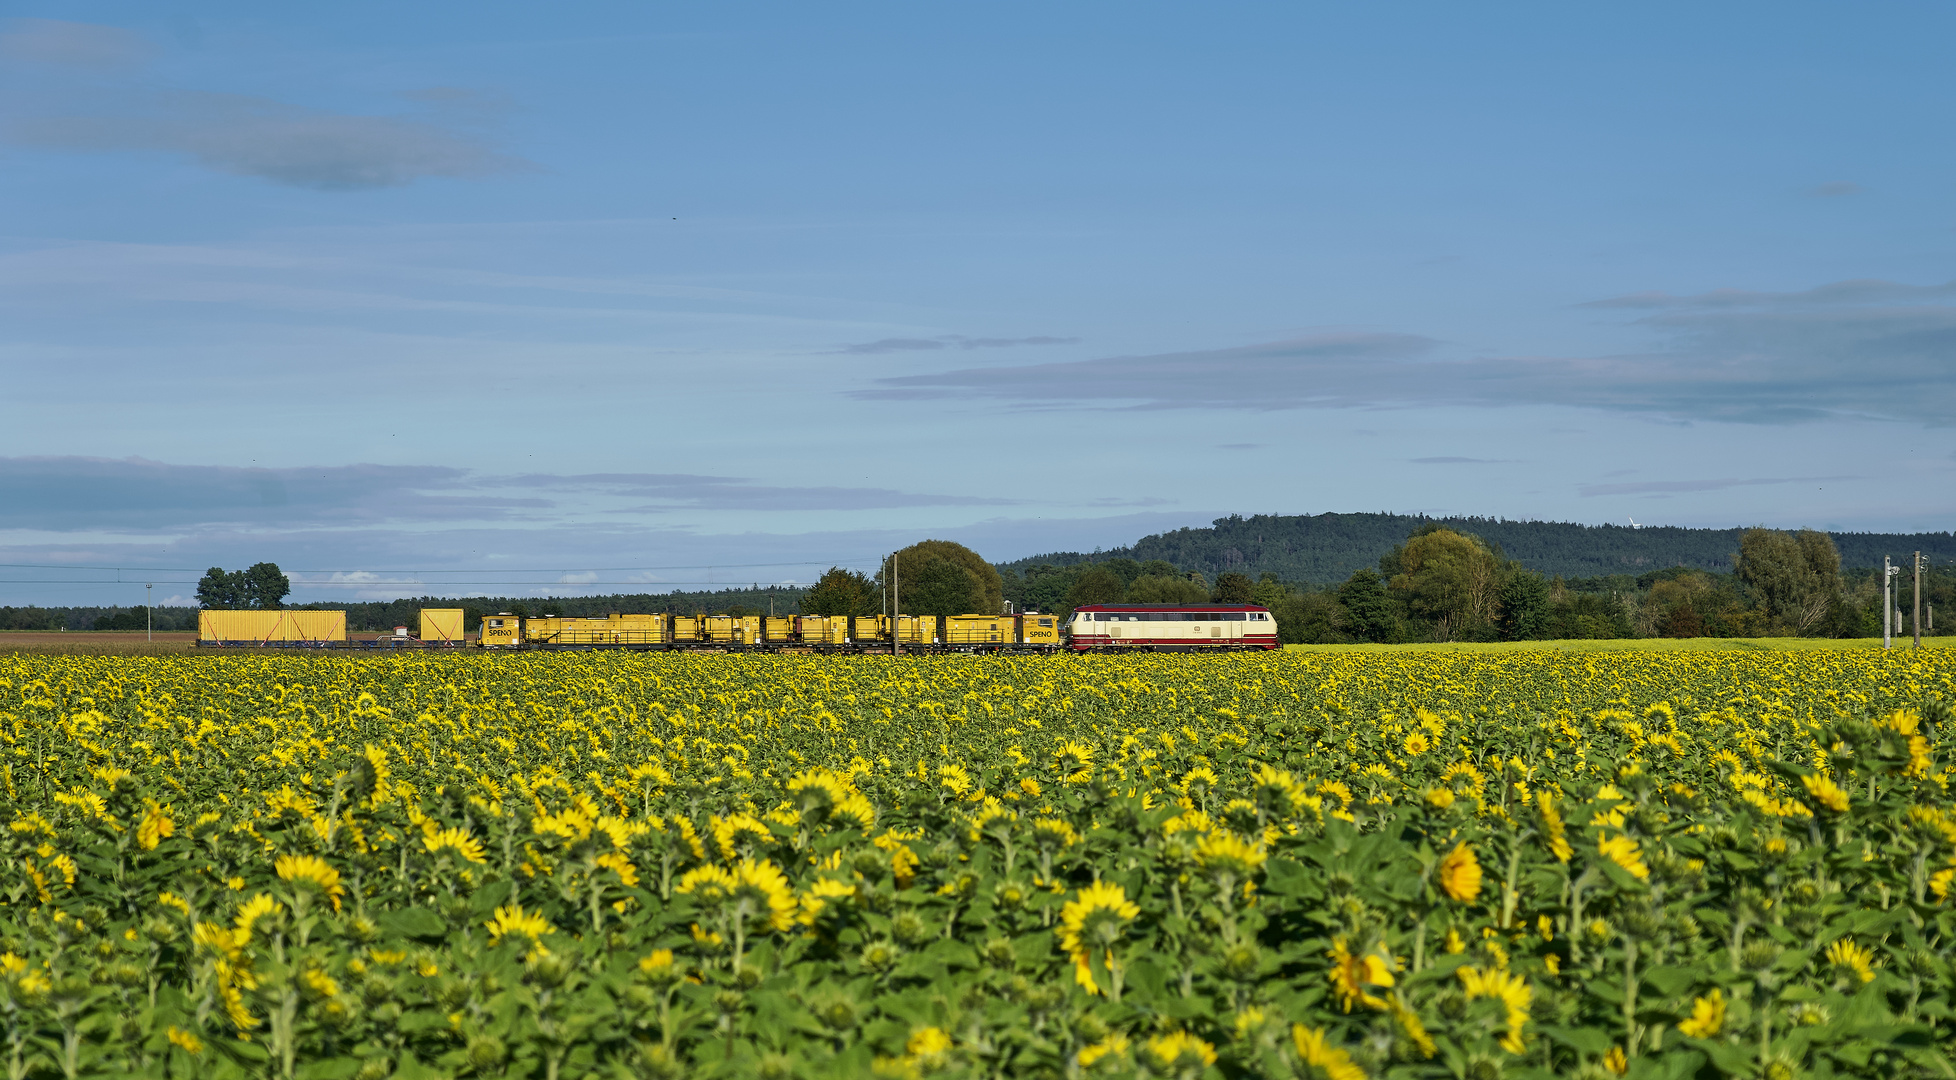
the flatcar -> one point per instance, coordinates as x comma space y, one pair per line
1170, 628
971, 633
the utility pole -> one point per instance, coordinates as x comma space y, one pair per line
149, 612
896, 610
1887, 606
1916, 623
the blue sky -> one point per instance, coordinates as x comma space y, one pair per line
655, 295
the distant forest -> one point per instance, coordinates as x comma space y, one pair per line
1324, 549
34, 617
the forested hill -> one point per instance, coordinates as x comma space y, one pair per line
1325, 548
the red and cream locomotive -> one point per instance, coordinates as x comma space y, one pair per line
1170, 628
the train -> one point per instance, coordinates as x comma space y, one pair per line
1090, 628
1023, 632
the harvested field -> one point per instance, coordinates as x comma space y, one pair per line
94, 642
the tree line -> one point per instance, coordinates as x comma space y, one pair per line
1442, 584
1436, 583
1326, 549
89, 617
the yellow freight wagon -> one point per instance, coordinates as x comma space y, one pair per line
632, 629
778, 630
1043, 630
966, 631
732, 629
822, 629
918, 631
267, 627
687, 629
441, 625
870, 630
999, 632
501, 630
608, 630
542, 629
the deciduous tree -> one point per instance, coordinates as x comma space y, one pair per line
266, 586
1797, 576
262, 586
1095, 585
1233, 588
1154, 589
987, 590
840, 592
940, 587
1449, 578
1368, 607
1524, 607
222, 591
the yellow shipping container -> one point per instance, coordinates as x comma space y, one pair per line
442, 625
259, 627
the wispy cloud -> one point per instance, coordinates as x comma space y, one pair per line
1284, 374
1674, 487
233, 133
1010, 343
676, 491
1834, 189
253, 136
950, 341
1851, 293
53, 41
890, 345
1875, 349
77, 493
1460, 461
67, 494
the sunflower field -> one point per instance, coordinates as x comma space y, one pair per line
1339, 865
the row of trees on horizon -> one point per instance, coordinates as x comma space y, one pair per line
1439, 584
1442, 584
